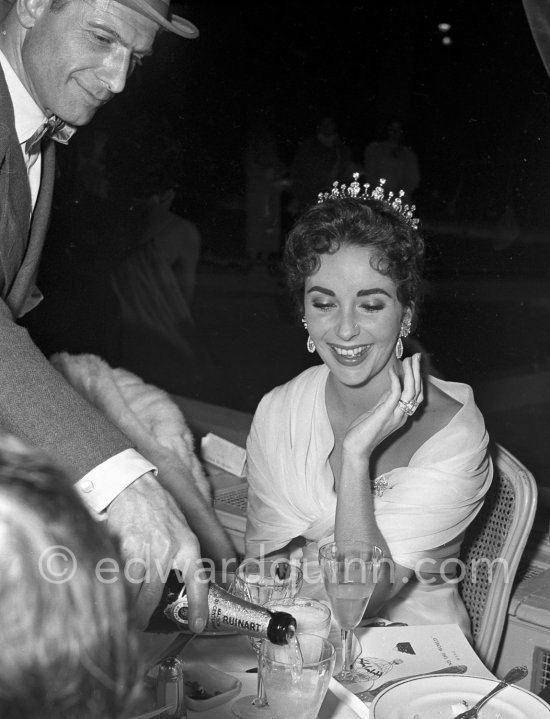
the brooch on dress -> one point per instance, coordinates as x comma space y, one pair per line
378, 485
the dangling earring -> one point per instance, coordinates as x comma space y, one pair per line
310, 344
403, 332
399, 348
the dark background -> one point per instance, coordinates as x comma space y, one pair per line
476, 110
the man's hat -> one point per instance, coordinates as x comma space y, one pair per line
156, 10
159, 11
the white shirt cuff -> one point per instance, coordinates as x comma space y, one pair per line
105, 482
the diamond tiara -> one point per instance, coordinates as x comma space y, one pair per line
341, 191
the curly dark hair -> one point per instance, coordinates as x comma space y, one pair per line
398, 248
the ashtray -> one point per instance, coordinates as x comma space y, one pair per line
206, 687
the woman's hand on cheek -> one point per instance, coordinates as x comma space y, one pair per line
372, 427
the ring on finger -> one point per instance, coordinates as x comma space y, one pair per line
408, 408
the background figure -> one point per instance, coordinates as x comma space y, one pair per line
174, 238
69, 648
393, 161
155, 283
319, 161
90, 166
264, 177
89, 209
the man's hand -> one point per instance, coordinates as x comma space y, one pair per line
155, 538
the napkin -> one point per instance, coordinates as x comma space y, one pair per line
346, 701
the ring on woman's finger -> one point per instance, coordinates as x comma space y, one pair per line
408, 407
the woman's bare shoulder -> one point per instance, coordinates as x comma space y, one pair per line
439, 407
435, 413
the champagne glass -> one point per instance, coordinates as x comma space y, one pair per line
350, 571
296, 682
261, 581
312, 616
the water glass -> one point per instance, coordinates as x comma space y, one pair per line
312, 616
296, 682
261, 581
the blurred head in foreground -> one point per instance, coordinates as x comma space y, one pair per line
68, 644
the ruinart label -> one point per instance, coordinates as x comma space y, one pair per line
222, 617
242, 624
178, 611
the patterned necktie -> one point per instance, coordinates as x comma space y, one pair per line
55, 128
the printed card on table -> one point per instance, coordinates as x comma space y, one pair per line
400, 651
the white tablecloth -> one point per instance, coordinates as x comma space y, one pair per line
234, 655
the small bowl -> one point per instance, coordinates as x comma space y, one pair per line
217, 686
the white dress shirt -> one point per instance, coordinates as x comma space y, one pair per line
104, 483
28, 118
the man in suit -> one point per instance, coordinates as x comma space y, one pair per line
63, 59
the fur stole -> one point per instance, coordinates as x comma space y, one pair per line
144, 413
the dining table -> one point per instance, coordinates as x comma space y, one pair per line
384, 652
233, 655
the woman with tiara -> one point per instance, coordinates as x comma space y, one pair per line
365, 446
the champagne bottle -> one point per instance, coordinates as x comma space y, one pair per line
226, 613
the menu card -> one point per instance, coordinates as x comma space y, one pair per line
396, 652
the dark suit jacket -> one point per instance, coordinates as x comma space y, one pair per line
36, 403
